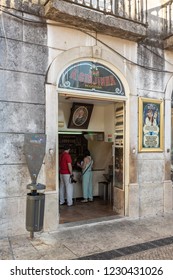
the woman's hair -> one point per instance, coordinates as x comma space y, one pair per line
86, 153
67, 147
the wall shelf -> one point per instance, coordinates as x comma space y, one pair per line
119, 145
119, 125
78, 145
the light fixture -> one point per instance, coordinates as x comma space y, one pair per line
69, 132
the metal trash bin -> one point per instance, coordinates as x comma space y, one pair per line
34, 149
103, 189
35, 208
35, 212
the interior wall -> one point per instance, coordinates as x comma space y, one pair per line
96, 122
101, 153
101, 120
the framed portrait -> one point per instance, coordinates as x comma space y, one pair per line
150, 125
80, 115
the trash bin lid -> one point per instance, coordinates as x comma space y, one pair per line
34, 187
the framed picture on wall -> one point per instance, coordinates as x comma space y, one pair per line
80, 115
150, 125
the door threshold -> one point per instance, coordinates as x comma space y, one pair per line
90, 222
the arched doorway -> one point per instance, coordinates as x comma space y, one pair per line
172, 137
95, 87
57, 67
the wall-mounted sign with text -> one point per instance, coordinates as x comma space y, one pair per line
90, 76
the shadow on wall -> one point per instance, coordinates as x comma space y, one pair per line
101, 153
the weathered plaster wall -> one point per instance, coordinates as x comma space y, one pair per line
76, 15
32, 6
27, 49
153, 169
23, 65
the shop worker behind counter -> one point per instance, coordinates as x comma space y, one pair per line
66, 185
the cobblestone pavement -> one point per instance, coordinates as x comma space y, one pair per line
161, 253
141, 251
123, 238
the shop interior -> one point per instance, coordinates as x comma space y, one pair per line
98, 137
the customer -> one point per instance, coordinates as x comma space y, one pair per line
66, 186
87, 186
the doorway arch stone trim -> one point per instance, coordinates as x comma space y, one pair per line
57, 66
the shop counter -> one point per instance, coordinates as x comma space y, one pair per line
97, 177
77, 187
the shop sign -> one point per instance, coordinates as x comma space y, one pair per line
150, 125
34, 150
90, 76
109, 137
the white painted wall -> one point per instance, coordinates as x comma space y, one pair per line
97, 121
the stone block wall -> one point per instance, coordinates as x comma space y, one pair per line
23, 66
151, 83
23, 70
34, 6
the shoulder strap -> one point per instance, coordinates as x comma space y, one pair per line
91, 162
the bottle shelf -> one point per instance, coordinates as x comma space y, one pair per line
78, 145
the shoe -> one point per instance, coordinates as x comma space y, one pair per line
69, 205
84, 200
91, 200
62, 203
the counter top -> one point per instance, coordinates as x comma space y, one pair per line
108, 177
75, 170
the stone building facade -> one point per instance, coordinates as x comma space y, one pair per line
39, 39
